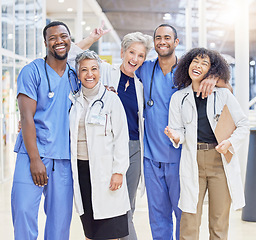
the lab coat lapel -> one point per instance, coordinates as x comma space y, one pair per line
190, 96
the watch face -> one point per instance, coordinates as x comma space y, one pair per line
150, 102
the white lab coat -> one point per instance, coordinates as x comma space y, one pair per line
183, 118
108, 151
110, 75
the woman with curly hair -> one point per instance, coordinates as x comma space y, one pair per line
192, 121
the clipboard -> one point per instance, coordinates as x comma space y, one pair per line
224, 128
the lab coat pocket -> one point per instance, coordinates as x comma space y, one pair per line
101, 123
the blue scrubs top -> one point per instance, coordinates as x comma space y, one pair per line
157, 146
52, 114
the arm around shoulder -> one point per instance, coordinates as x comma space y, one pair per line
221, 84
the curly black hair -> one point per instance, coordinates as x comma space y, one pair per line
219, 66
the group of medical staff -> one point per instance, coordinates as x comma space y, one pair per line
145, 88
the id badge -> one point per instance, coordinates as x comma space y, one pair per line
98, 120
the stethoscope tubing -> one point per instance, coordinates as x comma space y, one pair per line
51, 93
100, 100
216, 116
150, 102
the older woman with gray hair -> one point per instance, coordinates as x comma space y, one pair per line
134, 49
99, 154
121, 77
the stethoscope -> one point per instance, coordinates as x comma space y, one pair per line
150, 102
216, 116
70, 71
100, 100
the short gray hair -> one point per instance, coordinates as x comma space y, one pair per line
139, 37
87, 54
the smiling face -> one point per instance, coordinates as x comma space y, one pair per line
57, 41
164, 41
198, 69
89, 73
133, 58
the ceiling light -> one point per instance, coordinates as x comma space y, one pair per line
221, 33
61, 1
70, 9
212, 45
83, 22
167, 16
88, 28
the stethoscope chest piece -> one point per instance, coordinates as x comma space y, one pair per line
50, 94
150, 102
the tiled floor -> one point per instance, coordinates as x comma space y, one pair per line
239, 230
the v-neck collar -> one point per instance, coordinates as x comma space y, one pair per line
53, 71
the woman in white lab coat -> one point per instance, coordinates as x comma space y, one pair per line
99, 154
134, 49
121, 77
192, 121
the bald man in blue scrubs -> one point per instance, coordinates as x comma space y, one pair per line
43, 151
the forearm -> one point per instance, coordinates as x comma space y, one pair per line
86, 43
29, 137
94, 36
121, 139
221, 84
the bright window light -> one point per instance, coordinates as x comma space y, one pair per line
10, 36
252, 63
212, 45
70, 9
61, 1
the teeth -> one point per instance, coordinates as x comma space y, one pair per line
133, 64
89, 79
60, 47
196, 72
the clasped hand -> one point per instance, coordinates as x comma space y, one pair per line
223, 146
172, 134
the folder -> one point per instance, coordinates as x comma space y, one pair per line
224, 128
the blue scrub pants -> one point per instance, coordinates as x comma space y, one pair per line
163, 191
26, 198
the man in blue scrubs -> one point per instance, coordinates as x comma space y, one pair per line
161, 159
43, 151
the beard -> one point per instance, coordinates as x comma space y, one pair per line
166, 54
60, 57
